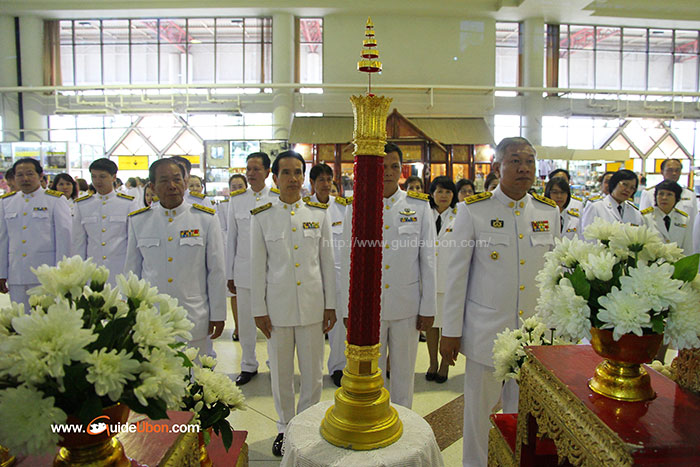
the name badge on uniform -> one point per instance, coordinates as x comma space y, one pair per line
311, 225
680, 225
540, 226
407, 212
408, 219
41, 209
189, 233
497, 223
336, 223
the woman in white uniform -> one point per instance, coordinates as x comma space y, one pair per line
443, 198
671, 223
559, 191
615, 206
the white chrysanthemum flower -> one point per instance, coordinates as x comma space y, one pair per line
7, 314
151, 329
623, 313
100, 276
630, 238
207, 361
191, 353
683, 322
136, 289
27, 418
653, 251
507, 350
695, 283
45, 342
599, 266
217, 387
568, 313
163, 376
109, 371
69, 276
600, 229
41, 301
653, 285
549, 275
175, 316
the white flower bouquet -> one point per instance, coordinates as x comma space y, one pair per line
624, 279
211, 396
86, 346
509, 346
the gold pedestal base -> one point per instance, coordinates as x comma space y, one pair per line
362, 417
109, 453
622, 381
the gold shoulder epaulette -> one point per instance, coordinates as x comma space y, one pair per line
478, 197
316, 205
275, 191
7, 195
55, 193
544, 199
122, 195
577, 198
343, 201
225, 200
573, 212
681, 212
647, 210
416, 195
306, 199
632, 204
139, 211
83, 198
198, 195
260, 209
238, 192
204, 208
595, 198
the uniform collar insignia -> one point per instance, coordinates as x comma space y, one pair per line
407, 212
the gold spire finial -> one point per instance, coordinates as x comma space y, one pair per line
370, 55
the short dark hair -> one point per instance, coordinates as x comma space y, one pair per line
443, 182
562, 185
602, 177
263, 156
241, 176
67, 178
118, 181
28, 160
10, 173
663, 163
105, 165
391, 147
462, 183
163, 161
320, 169
286, 155
621, 175
82, 184
184, 161
554, 173
413, 178
489, 178
505, 143
670, 186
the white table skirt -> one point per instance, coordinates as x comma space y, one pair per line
305, 447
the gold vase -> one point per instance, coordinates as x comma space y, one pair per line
86, 450
621, 376
204, 459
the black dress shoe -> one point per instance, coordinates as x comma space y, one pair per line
234, 337
245, 377
277, 445
440, 379
388, 374
336, 377
430, 376
421, 337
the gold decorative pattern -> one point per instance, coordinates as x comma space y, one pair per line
243, 456
500, 454
478, 197
369, 134
577, 433
184, 452
362, 353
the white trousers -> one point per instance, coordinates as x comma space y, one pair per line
247, 332
336, 341
308, 341
401, 338
481, 393
18, 294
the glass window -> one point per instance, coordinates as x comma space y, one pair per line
660, 72
310, 50
507, 43
115, 31
607, 69
228, 63
581, 67
201, 30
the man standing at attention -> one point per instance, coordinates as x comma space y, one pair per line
35, 229
238, 255
293, 288
178, 248
99, 222
500, 239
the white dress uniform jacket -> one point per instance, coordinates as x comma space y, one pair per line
293, 277
576, 204
181, 252
570, 221
679, 230
688, 203
442, 253
499, 248
607, 209
100, 230
35, 229
222, 215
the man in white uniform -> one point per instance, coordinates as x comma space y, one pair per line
671, 171
293, 288
500, 240
408, 277
99, 221
321, 176
178, 248
238, 255
35, 229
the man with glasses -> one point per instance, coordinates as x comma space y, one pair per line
671, 170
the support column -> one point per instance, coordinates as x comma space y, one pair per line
532, 49
282, 72
32, 51
8, 77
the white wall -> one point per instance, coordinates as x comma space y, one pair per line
435, 50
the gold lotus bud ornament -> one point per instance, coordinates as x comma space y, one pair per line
369, 62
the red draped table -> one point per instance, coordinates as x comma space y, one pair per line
589, 429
